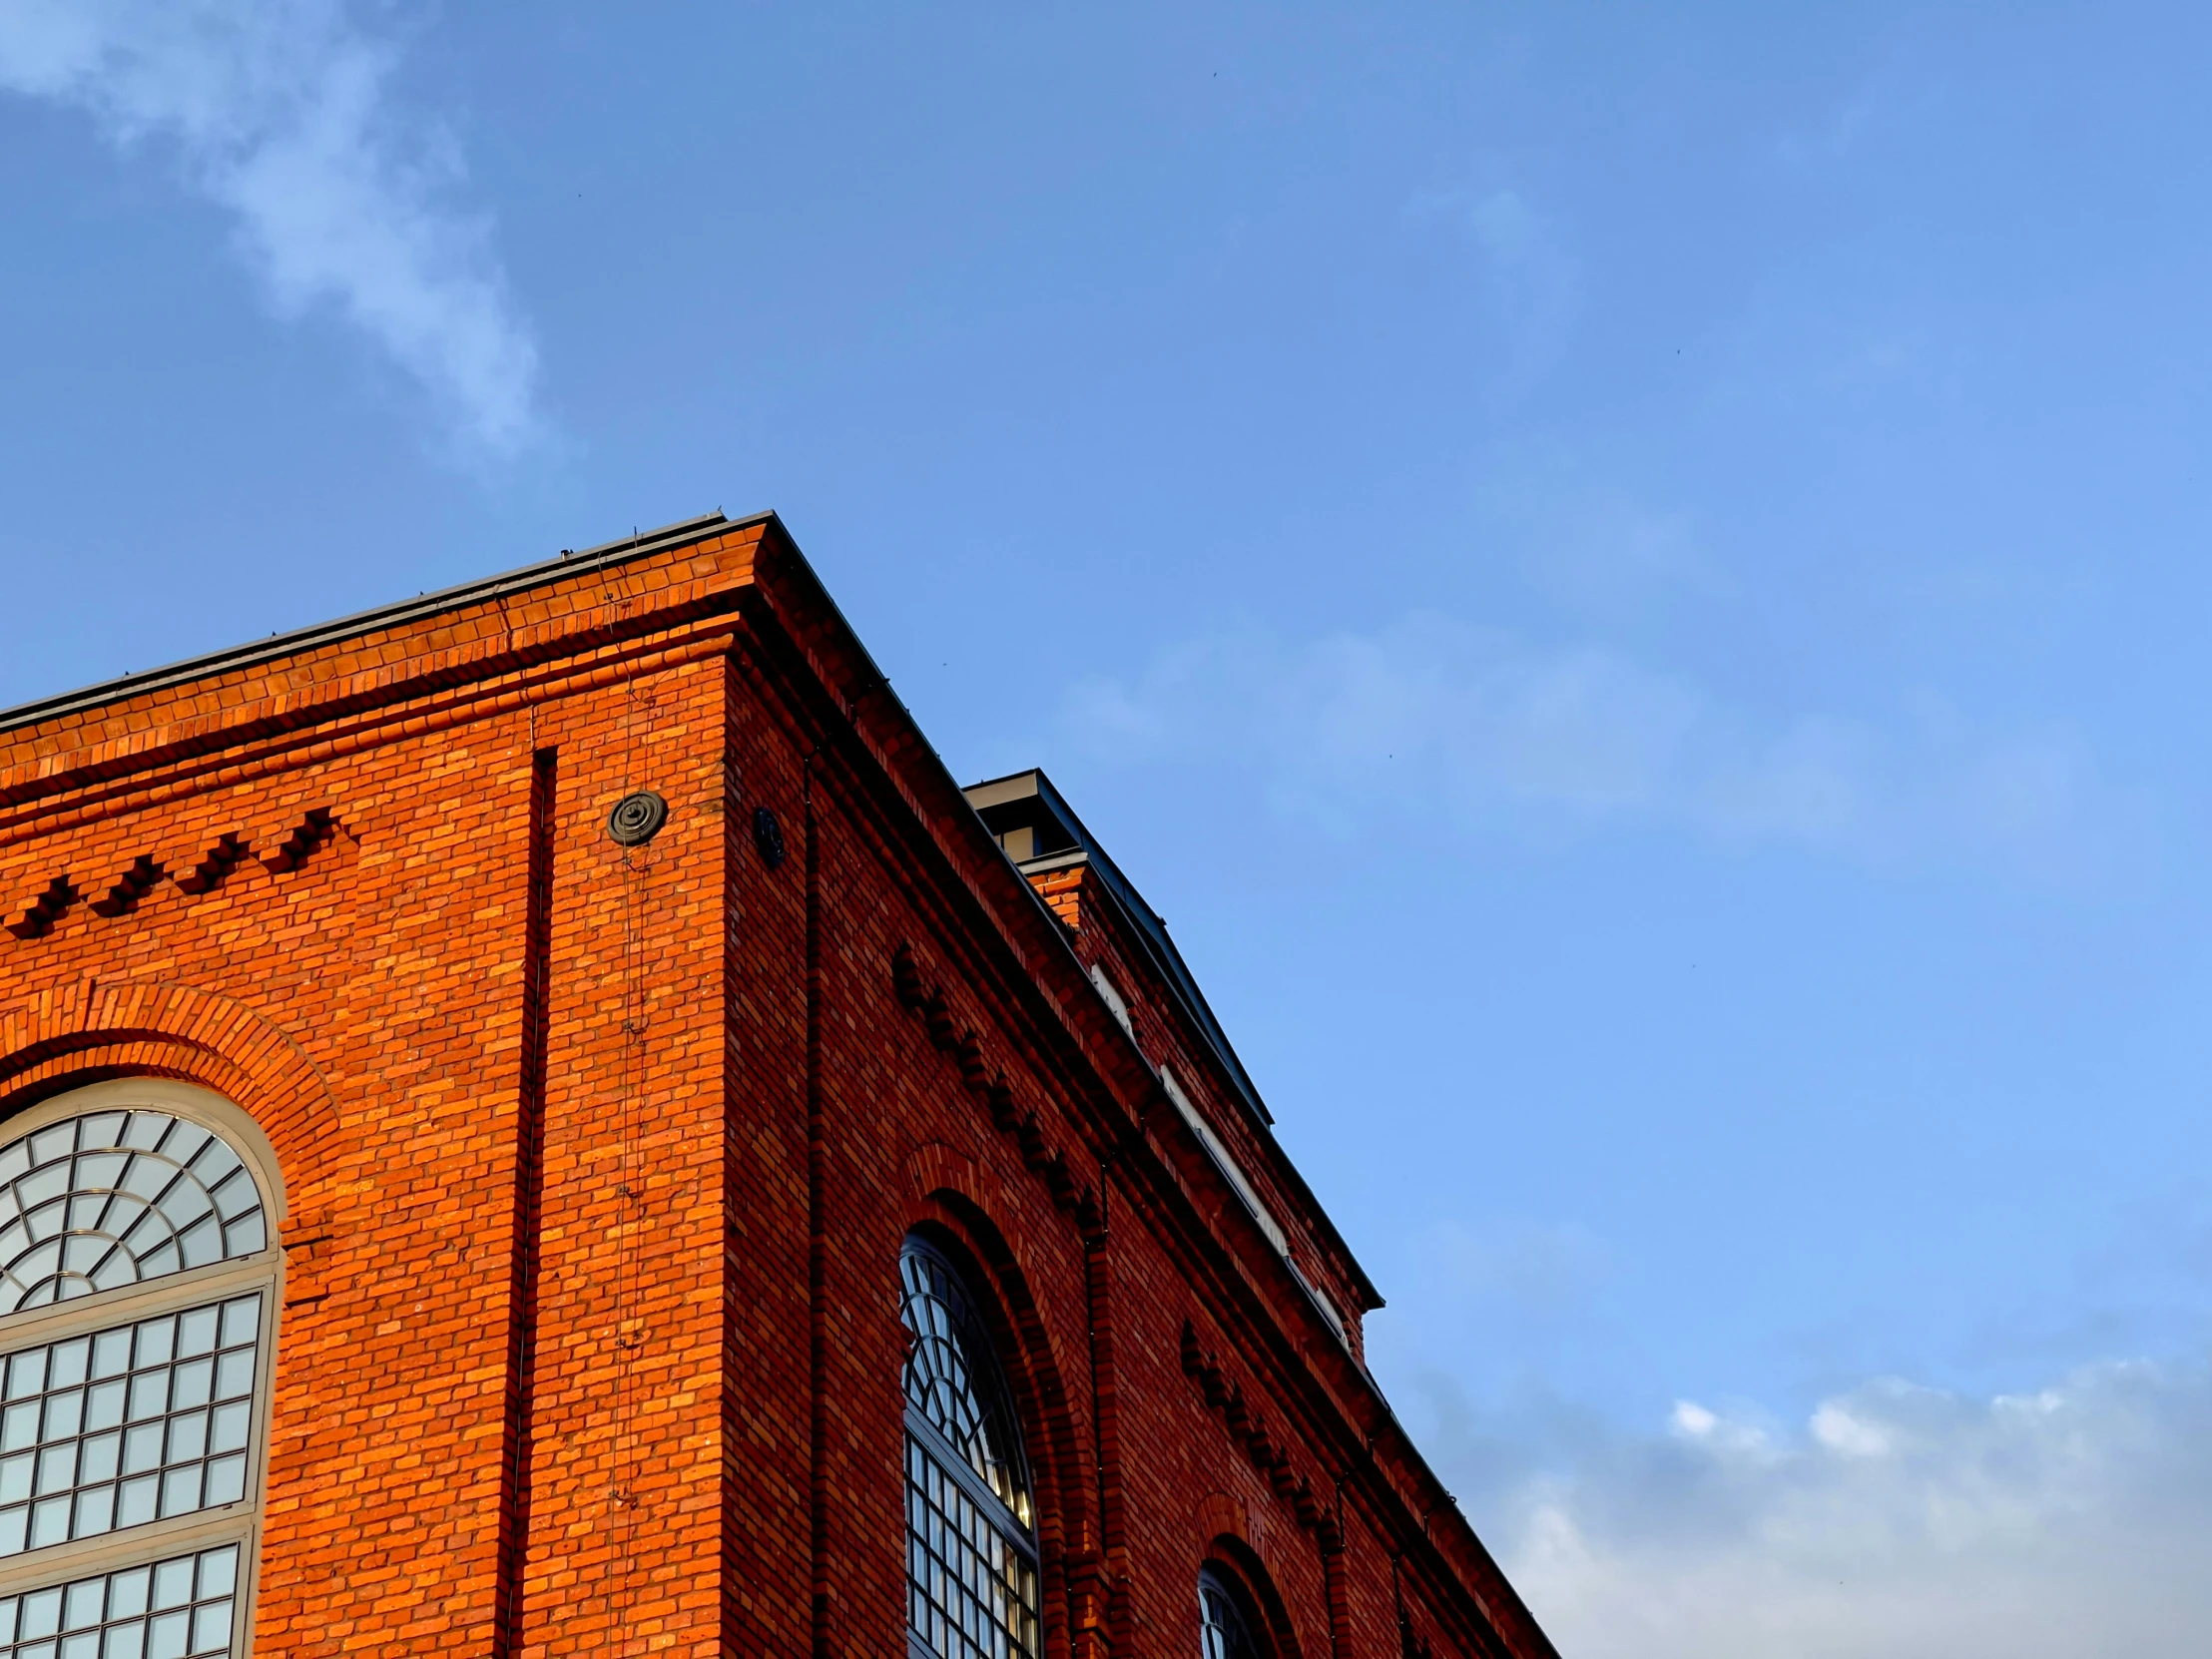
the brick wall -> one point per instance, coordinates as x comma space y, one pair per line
597, 1160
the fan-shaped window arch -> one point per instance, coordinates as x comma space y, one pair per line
103, 1200
1223, 1630
138, 1300
970, 1511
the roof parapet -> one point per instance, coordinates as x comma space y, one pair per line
1041, 832
567, 563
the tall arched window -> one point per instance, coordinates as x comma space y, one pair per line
1223, 1631
972, 1546
138, 1289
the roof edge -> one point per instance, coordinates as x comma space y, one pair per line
519, 580
1152, 932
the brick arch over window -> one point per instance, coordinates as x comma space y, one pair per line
946, 1206
82, 1033
1231, 1553
937, 1169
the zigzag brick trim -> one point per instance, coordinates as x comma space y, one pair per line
1070, 1193
284, 850
46, 907
1267, 1448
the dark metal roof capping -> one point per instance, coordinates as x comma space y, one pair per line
993, 796
367, 622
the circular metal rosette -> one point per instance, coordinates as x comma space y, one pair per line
768, 837
636, 818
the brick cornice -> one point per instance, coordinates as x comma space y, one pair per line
306, 708
265, 755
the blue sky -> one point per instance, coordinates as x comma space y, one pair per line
1629, 578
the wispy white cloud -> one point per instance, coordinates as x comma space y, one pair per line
1533, 1272
1899, 1521
1577, 535
1529, 277
1883, 108
1470, 727
280, 111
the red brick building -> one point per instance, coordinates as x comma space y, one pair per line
539, 1120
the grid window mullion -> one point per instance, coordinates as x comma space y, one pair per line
185, 1607
134, 1424
972, 1589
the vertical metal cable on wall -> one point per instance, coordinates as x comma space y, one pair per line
629, 1227
630, 1202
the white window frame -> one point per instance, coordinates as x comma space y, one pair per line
238, 1523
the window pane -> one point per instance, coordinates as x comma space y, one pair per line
107, 1614
94, 1203
59, 1483
972, 1589
971, 1565
1223, 1633
952, 1377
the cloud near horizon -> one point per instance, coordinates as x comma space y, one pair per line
280, 113
1900, 1522
1481, 727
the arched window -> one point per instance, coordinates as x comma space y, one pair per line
971, 1547
1223, 1631
138, 1289
109, 1198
